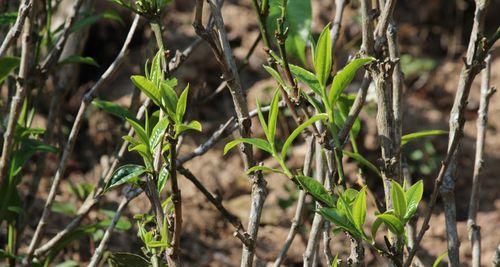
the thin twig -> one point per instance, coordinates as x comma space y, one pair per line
472, 65
317, 224
15, 31
300, 204
129, 195
217, 38
481, 125
467, 75
231, 218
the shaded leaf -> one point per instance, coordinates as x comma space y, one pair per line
316, 190
123, 175
79, 59
392, 222
125, 259
7, 65
113, 109
361, 160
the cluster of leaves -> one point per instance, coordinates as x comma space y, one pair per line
148, 8
150, 134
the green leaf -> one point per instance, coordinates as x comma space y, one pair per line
344, 77
273, 117
340, 220
263, 169
8, 18
410, 137
123, 175
148, 88
64, 208
439, 259
181, 104
413, 197
361, 160
298, 17
163, 178
158, 133
141, 133
316, 190
307, 78
78, 59
257, 142
192, 125
359, 209
392, 222
263, 123
7, 65
299, 129
113, 109
169, 98
125, 259
323, 56
276, 76
398, 199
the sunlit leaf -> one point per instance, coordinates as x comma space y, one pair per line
398, 199
344, 77
263, 169
257, 142
299, 129
410, 137
323, 56
413, 197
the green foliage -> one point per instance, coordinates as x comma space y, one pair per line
113, 109
323, 56
78, 59
410, 137
8, 18
125, 259
316, 190
124, 174
439, 259
361, 160
298, 18
7, 65
151, 9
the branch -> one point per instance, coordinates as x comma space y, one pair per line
68, 149
473, 64
481, 124
129, 195
56, 52
22, 88
217, 38
15, 31
300, 205
235, 221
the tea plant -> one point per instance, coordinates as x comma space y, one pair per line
312, 91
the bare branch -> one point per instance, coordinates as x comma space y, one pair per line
471, 68
129, 195
217, 38
300, 205
481, 125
